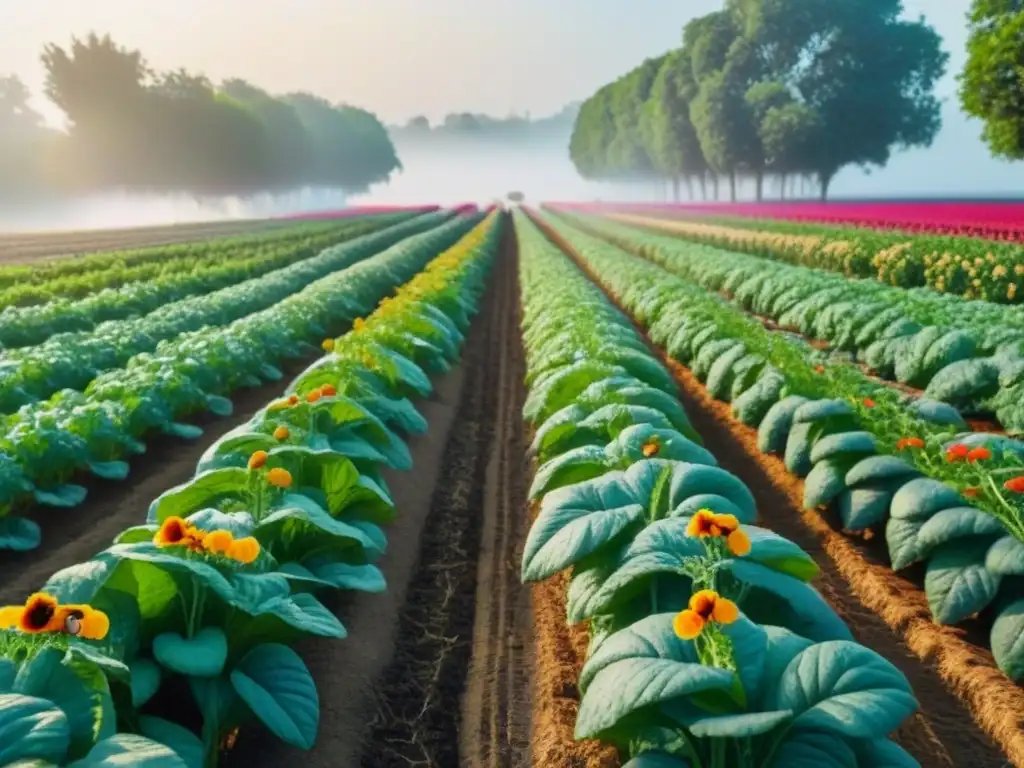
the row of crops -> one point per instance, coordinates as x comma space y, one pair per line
947, 499
708, 647
964, 353
1002, 220
142, 376
220, 580
974, 268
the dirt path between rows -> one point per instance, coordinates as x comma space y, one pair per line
883, 611
454, 622
74, 535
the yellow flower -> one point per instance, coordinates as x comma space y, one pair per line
327, 345
281, 433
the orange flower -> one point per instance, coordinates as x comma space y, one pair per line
328, 390
313, 396
979, 454
218, 542
175, 532
327, 345
1015, 485
281, 433
244, 550
972, 493
705, 606
738, 542
651, 447
293, 399
279, 477
707, 524
957, 452
40, 615
869, 403
909, 442
819, 369
258, 459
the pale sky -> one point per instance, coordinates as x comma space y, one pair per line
400, 58
396, 57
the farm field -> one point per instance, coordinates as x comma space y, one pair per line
566, 486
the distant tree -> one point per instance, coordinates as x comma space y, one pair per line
418, 123
992, 83
592, 135
23, 139
869, 76
290, 146
671, 140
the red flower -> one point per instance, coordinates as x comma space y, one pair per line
869, 403
909, 442
979, 454
820, 369
957, 452
972, 493
1016, 485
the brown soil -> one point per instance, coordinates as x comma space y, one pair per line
454, 624
560, 651
28, 246
952, 679
74, 535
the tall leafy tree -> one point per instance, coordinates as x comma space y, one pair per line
668, 133
870, 76
992, 83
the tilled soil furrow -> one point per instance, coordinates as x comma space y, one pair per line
456, 627
495, 708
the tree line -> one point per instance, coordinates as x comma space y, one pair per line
518, 129
130, 127
780, 89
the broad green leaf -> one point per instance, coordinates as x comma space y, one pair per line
185, 744
276, 685
643, 666
129, 749
812, 749
19, 533
204, 490
1008, 640
841, 688
145, 681
957, 582
80, 690
202, 655
61, 496
32, 728
801, 608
